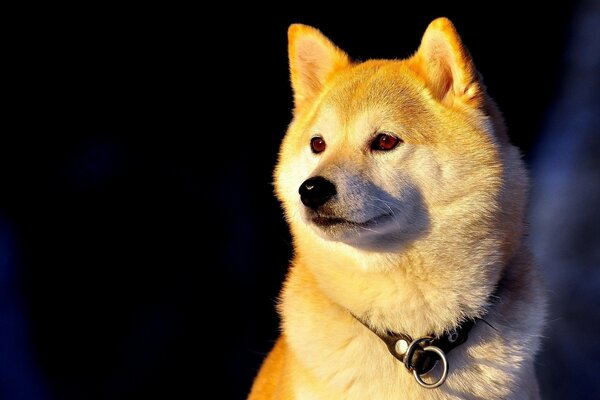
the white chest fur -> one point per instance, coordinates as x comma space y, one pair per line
338, 358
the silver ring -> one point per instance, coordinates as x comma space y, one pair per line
438, 383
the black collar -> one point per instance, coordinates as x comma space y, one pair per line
421, 354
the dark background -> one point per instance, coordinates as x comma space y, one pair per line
140, 241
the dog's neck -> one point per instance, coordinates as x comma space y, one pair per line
412, 294
328, 341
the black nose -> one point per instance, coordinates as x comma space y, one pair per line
315, 192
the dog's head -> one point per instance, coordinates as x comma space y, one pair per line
384, 154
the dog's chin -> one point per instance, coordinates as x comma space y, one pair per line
338, 228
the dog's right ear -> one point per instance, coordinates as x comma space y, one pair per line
313, 60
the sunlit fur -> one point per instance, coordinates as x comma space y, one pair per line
453, 193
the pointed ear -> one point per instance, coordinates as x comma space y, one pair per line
446, 66
313, 60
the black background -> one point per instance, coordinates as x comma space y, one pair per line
137, 176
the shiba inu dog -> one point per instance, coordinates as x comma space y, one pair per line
405, 200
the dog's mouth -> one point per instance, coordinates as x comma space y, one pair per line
325, 221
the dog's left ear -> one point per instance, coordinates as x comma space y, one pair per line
446, 66
314, 59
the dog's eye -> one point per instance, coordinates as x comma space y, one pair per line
317, 145
384, 142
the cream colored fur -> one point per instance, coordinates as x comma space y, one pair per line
455, 189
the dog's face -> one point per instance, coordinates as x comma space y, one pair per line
380, 152
357, 169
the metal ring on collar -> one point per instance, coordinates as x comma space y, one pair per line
442, 379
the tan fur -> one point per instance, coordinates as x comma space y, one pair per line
456, 190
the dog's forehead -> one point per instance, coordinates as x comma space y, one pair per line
377, 88
369, 94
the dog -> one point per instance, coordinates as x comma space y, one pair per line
405, 200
